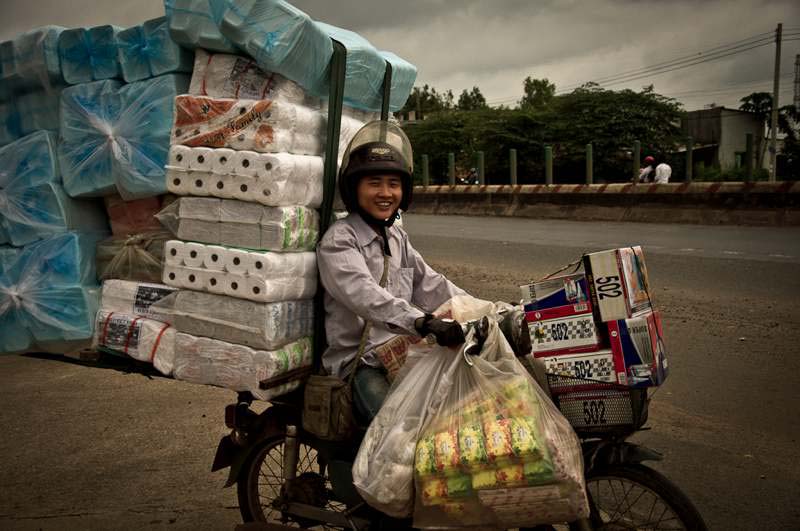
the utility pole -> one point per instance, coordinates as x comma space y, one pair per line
797, 81
773, 145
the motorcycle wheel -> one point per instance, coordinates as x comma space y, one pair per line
260, 484
638, 497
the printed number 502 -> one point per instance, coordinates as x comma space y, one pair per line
608, 287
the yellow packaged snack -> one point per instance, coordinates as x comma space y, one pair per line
424, 462
434, 491
484, 479
523, 438
446, 452
471, 447
498, 439
458, 486
538, 472
510, 476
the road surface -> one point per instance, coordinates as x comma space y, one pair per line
97, 448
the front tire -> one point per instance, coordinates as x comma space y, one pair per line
637, 497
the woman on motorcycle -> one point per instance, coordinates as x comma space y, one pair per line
376, 284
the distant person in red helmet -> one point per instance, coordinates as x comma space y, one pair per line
646, 171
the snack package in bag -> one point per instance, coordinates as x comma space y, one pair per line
491, 450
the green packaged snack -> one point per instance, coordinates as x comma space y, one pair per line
523, 438
424, 459
538, 472
471, 447
458, 486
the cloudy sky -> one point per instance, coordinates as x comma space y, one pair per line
458, 44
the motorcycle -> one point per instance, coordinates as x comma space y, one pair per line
283, 474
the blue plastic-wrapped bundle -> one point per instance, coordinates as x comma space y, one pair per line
404, 74
33, 204
195, 24
147, 51
89, 54
116, 139
10, 126
88, 112
31, 60
39, 110
282, 39
285, 40
48, 294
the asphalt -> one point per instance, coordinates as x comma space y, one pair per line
94, 447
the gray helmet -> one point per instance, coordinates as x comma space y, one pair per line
379, 147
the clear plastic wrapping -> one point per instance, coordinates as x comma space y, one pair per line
255, 324
285, 40
30, 61
147, 51
137, 257
116, 138
138, 337
471, 441
237, 367
266, 126
133, 298
195, 24
89, 54
240, 224
33, 204
48, 294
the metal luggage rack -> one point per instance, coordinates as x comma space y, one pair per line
593, 407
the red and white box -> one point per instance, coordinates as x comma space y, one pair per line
618, 283
564, 330
638, 347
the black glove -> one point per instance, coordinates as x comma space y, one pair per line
447, 333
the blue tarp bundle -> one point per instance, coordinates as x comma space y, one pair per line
116, 138
89, 54
48, 293
285, 40
195, 24
31, 61
147, 51
33, 204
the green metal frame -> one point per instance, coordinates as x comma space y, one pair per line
338, 66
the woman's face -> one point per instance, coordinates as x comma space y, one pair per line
380, 195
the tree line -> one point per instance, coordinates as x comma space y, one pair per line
611, 120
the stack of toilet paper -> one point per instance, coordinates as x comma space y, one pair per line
258, 276
272, 179
134, 217
266, 126
255, 324
140, 338
30, 61
89, 54
237, 367
235, 223
133, 298
147, 51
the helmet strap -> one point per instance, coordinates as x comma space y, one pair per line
380, 226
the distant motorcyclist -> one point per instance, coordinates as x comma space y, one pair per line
646, 171
370, 271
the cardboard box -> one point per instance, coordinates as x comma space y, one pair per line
638, 347
562, 330
618, 283
582, 371
554, 292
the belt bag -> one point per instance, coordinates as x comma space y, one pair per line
328, 400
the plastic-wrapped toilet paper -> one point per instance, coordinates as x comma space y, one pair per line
133, 298
139, 337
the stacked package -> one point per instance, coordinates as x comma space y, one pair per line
285, 40
147, 51
195, 24
48, 294
89, 54
486, 462
598, 327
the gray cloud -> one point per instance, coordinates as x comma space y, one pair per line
458, 44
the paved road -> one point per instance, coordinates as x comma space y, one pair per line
726, 419
98, 448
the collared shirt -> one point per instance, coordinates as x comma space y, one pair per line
350, 259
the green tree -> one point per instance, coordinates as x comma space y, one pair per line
760, 103
427, 100
538, 93
472, 100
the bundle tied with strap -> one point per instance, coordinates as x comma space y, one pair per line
328, 399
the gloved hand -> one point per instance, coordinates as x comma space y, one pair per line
448, 333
